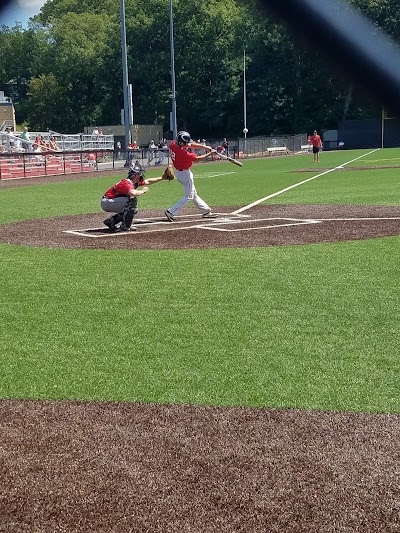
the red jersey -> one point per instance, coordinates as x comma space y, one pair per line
315, 140
122, 188
182, 159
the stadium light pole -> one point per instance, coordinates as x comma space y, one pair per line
245, 130
126, 87
173, 125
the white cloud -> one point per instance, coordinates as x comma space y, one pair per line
31, 5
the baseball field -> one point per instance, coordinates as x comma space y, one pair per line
239, 375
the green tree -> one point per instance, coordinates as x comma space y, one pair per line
44, 91
79, 58
72, 51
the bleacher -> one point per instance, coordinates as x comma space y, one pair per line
74, 153
18, 165
306, 148
277, 150
78, 141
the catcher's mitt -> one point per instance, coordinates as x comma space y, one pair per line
168, 173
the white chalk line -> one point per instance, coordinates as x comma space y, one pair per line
255, 228
224, 218
214, 175
148, 226
249, 206
356, 218
299, 222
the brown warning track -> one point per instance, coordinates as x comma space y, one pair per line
262, 225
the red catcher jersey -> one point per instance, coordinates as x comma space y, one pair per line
182, 159
122, 188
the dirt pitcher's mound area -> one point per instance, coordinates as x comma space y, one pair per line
262, 225
76, 467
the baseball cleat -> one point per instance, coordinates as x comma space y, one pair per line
169, 215
121, 229
209, 215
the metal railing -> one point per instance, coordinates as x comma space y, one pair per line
34, 164
12, 141
20, 164
47, 163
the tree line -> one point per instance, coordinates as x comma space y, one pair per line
64, 72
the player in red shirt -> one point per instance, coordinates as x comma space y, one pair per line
122, 199
182, 159
316, 142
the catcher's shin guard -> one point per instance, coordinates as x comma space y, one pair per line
113, 221
130, 211
116, 218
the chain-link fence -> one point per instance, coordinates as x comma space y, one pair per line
264, 146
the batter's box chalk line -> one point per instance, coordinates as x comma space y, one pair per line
187, 222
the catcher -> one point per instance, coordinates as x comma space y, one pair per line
122, 197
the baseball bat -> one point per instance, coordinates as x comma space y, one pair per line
231, 160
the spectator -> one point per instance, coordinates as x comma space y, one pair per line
52, 144
341, 145
151, 152
162, 148
203, 150
225, 145
25, 138
18, 146
220, 150
37, 149
316, 142
129, 155
118, 148
10, 140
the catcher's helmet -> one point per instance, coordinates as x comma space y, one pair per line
134, 170
183, 138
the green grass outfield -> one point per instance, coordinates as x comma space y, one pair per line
313, 327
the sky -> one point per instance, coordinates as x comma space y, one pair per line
20, 11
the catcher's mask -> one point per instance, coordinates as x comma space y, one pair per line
136, 170
183, 138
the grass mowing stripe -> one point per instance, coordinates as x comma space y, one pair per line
307, 326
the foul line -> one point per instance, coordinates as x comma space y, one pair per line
214, 175
249, 206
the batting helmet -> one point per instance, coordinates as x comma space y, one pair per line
183, 138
